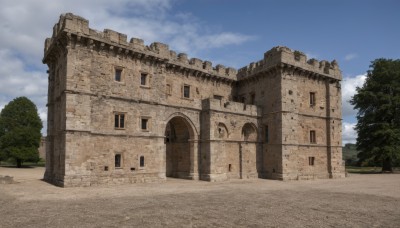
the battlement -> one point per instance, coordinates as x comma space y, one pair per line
284, 55
73, 25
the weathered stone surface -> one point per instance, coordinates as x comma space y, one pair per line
183, 117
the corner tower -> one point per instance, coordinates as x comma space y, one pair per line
301, 108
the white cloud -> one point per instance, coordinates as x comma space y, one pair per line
349, 135
25, 24
349, 85
351, 56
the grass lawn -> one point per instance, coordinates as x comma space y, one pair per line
40, 163
367, 170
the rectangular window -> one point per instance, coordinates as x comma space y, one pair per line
143, 79
118, 75
252, 98
141, 161
243, 99
145, 124
311, 161
266, 134
218, 97
118, 161
186, 91
119, 120
313, 137
312, 98
168, 89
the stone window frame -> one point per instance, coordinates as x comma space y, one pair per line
148, 123
147, 80
168, 89
218, 97
189, 97
313, 137
118, 154
122, 74
313, 98
119, 120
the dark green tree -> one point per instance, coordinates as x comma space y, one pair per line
378, 117
20, 127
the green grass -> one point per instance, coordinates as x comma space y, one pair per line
368, 170
40, 163
363, 170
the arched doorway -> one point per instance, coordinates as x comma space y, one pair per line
181, 155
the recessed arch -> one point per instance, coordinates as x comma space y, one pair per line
221, 131
249, 132
179, 135
189, 123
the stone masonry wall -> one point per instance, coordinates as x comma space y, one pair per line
123, 112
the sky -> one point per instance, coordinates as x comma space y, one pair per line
229, 32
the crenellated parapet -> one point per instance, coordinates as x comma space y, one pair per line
286, 58
72, 30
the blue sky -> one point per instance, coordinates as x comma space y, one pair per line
229, 32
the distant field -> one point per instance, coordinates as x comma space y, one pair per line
367, 170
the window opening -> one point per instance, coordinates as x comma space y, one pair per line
119, 121
145, 124
311, 161
143, 79
252, 98
312, 137
118, 75
168, 89
118, 161
312, 98
141, 161
186, 91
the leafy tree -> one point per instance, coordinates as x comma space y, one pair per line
378, 104
20, 127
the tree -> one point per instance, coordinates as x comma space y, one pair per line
378, 104
20, 127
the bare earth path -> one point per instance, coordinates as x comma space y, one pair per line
357, 201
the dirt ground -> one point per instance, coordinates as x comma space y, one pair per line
369, 200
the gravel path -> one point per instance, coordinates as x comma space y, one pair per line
357, 201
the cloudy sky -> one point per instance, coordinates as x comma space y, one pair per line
230, 32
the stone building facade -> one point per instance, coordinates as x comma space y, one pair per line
124, 112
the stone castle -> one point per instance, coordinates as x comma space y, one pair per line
124, 112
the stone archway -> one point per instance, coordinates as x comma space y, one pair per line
181, 149
248, 152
